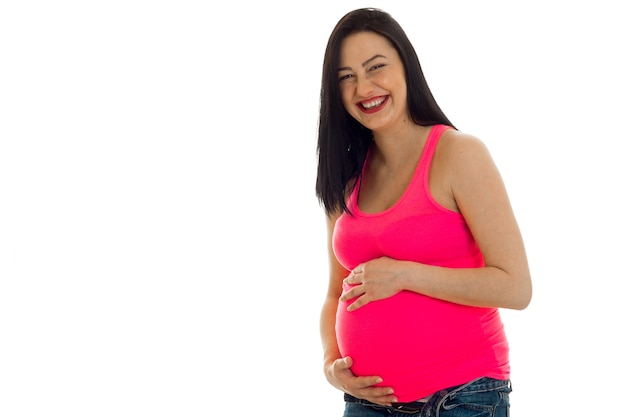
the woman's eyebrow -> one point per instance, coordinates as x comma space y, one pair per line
372, 58
367, 61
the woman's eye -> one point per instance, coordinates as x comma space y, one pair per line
377, 66
345, 77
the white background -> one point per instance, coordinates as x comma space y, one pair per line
162, 252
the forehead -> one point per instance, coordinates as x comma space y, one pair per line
363, 45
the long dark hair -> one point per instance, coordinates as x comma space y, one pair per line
343, 142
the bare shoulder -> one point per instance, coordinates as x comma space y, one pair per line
457, 152
457, 144
461, 163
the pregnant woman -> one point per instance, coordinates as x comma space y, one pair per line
424, 247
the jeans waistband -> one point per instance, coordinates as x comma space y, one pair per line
477, 385
409, 408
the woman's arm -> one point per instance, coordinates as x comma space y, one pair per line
464, 178
329, 308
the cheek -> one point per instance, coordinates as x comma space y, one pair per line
347, 105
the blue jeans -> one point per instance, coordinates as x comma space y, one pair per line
483, 397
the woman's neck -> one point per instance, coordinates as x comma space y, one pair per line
394, 149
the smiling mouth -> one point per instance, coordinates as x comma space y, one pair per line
373, 104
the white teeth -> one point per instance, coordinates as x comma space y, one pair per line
374, 103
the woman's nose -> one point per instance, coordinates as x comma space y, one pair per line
364, 87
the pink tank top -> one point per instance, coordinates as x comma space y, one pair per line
417, 344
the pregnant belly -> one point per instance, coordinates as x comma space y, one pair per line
407, 337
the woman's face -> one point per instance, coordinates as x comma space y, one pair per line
372, 81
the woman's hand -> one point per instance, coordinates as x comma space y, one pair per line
341, 377
373, 280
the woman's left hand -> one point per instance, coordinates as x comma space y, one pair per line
373, 280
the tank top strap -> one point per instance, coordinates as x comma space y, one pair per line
429, 148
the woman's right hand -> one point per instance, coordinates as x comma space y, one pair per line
341, 377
